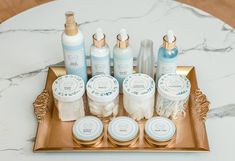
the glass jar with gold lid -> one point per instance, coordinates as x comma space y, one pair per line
88, 131
123, 131
159, 131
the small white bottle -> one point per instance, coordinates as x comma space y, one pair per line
100, 54
122, 57
74, 49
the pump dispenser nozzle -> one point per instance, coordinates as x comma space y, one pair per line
123, 34
99, 34
123, 39
71, 27
170, 36
169, 40
99, 38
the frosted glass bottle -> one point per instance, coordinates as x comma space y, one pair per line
74, 49
123, 58
100, 54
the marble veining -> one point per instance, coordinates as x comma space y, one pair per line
222, 111
204, 47
204, 42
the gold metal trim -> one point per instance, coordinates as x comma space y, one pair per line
167, 45
202, 103
54, 135
41, 105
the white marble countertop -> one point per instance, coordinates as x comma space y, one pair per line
30, 42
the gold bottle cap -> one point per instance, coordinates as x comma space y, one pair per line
71, 27
99, 38
122, 39
169, 40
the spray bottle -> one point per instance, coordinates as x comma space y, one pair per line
74, 49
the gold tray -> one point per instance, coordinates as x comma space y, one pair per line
56, 136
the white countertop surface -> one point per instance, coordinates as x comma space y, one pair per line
30, 41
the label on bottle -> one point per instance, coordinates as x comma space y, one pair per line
100, 65
165, 68
122, 68
75, 60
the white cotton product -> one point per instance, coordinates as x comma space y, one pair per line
115, 110
138, 99
173, 94
68, 91
103, 95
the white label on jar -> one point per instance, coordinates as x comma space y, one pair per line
160, 129
165, 68
123, 128
123, 68
88, 128
100, 66
103, 85
175, 85
139, 84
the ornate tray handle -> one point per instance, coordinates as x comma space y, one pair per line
41, 106
202, 103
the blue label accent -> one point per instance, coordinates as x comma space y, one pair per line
73, 48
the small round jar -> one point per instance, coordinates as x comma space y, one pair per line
173, 94
138, 99
68, 91
123, 131
159, 131
88, 131
103, 95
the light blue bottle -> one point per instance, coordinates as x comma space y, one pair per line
122, 58
74, 49
100, 54
167, 56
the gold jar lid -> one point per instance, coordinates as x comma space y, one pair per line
88, 131
123, 131
158, 143
159, 131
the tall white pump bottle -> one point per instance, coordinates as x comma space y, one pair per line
74, 49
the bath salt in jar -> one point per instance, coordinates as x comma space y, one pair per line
68, 91
103, 95
173, 94
138, 99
